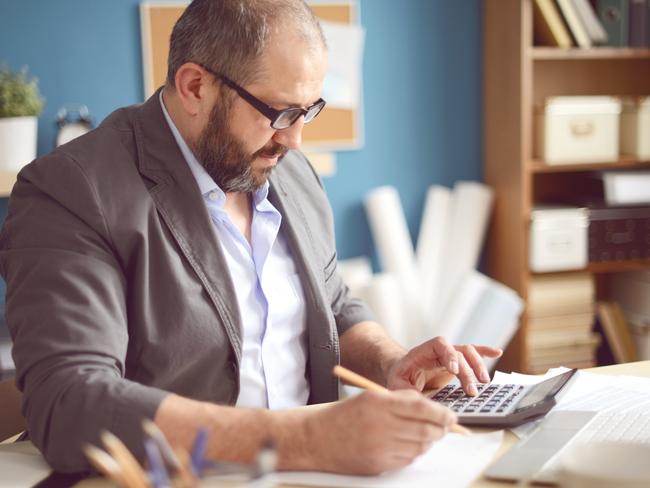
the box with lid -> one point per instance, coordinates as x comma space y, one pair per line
558, 238
578, 129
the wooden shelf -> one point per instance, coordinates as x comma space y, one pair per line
607, 267
617, 266
538, 166
573, 54
517, 77
7, 180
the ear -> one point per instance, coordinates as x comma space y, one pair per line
191, 81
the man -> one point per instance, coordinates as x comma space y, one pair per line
178, 263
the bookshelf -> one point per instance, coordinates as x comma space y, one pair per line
517, 76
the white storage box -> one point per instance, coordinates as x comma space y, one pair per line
578, 130
635, 128
626, 187
558, 238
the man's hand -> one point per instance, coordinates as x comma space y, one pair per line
376, 431
434, 363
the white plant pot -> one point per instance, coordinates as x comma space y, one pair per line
17, 142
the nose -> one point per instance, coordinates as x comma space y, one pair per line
291, 137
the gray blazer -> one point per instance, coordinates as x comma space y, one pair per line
118, 292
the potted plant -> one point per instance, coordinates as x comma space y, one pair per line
20, 105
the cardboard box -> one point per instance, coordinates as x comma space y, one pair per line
558, 238
578, 129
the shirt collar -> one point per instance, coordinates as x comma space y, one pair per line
206, 184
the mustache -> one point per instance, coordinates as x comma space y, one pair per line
272, 151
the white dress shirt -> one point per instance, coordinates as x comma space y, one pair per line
269, 295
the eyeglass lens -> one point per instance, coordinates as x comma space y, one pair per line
287, 117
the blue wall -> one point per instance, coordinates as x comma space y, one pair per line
421, 89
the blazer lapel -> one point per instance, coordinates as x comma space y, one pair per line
296, 230
182, 209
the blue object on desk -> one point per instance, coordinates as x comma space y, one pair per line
159, 475
198, 451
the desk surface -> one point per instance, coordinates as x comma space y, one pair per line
641, 368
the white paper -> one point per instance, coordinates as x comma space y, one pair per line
342, 84
590, 392
453, 462
21, 465
395, 248
430, 251
355, 272
470, 210
494, 318
382, 295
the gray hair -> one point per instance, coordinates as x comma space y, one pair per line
229, 36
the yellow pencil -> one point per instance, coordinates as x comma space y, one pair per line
131, 470
105, 464
362, 382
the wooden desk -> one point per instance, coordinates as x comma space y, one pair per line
641, 368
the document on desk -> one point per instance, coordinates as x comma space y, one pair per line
589, 392
453, 462
21, 465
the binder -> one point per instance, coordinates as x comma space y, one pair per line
590, 20
578, 30
638, 35
614, 15
549, 27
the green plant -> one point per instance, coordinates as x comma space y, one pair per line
19, 95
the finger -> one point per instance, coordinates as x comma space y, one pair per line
488, 351
419, 432
410, 405
466, 377
435, 351
475, 362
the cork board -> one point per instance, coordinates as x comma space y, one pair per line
334, 128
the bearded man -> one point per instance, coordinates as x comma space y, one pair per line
178, 264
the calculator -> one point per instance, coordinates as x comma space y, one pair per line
504, 405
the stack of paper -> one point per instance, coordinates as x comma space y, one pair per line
453, 462
589, 392
560, 321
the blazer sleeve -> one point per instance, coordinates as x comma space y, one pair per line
67, 313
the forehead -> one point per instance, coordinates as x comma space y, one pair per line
292, 70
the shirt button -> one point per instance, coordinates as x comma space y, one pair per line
213, 195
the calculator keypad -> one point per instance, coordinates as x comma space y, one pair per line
491, 398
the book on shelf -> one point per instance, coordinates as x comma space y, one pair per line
631, 290
580, 323
591, 22
616, 331
614, 15
551, 338
578, 350
549, 28
576, 27
638, 26
560, 294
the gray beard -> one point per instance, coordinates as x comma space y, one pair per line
225, 159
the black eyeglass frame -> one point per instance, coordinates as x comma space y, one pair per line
291, 114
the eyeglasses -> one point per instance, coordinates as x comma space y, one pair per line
280, 119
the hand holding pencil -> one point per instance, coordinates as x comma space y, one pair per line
362, 382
